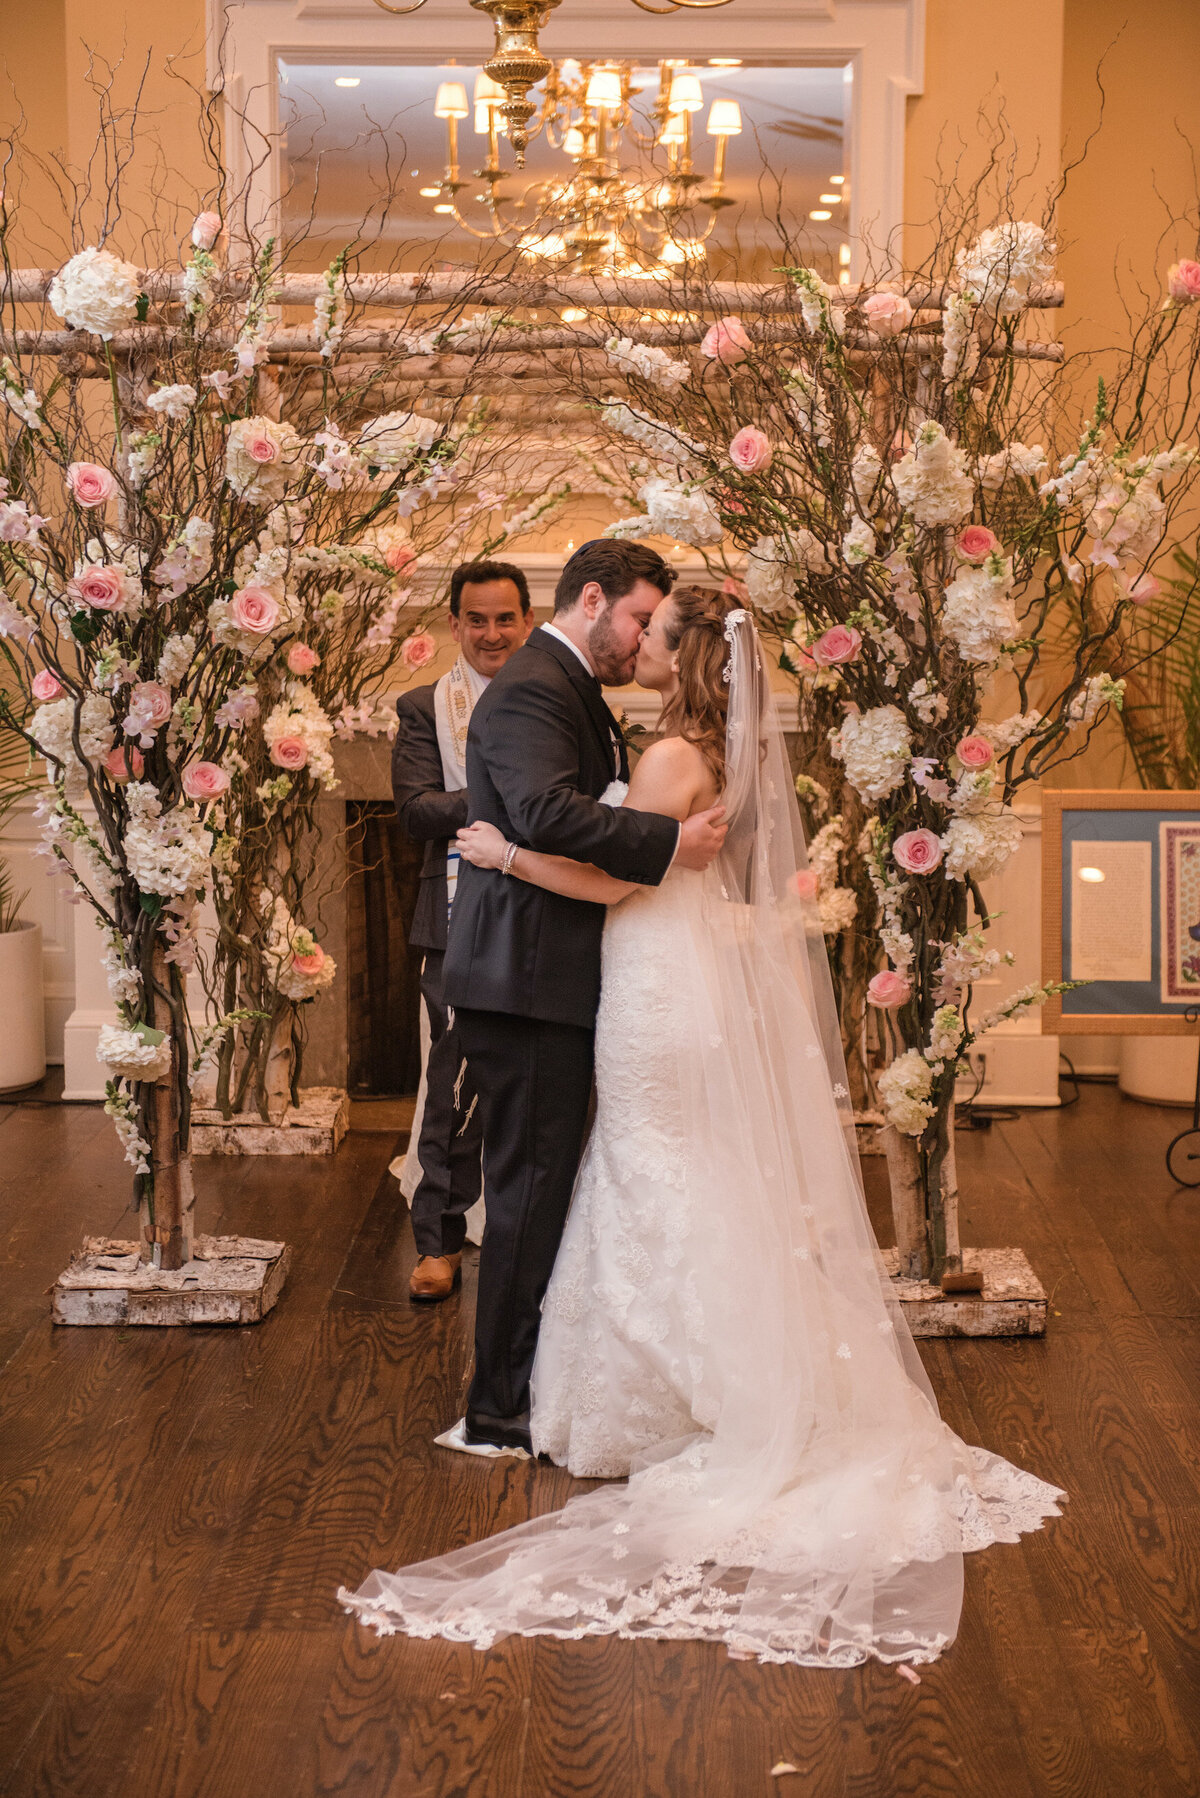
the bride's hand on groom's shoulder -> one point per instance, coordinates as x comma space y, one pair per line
701, 838
481, 844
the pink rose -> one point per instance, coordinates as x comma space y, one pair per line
101, 586
260, 447
918, 851
1141, 591
888, 990
974, 752
1183, 281
726, 341
805, 883
289, 752
205, 780
151, 702
310, 964
839, 644
124, 764
750, 450
400, 555
46, 686
206, 228
416, 651
975, 543
732, 588
90, 484
301, 659
254, 609
801, 658
887, 313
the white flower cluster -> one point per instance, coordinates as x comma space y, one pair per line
1003, 263
837, 906
300, 714
858, 544
330, 311
255, 475
961, 347
128, 1054
124, 982
771, 575
816, 305
1099, 691
14, 622
1021, 1000
876, 749
173, 402
665, 444
931, 481
1010, 731
19, 397
650, 363
1019, 461
930, 706
963, 961
340, 460
167, 853
865, 471
53, 724
945, 1034
904, 1090
685, 513
96, 291
978, 843
978, 614
287, 941
122, 1109
199, 283
395, 440
187, 559
176, 658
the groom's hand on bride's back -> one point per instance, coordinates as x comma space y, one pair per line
701, 837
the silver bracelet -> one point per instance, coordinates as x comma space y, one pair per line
510, 856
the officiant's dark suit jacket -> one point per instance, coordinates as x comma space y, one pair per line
541, 749
427, 812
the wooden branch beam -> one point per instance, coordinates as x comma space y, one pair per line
29, 285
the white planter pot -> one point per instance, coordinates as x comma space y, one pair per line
1160, 1070
23, 1039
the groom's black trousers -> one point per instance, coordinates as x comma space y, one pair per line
534, 1081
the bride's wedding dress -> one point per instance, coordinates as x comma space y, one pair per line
719, 1326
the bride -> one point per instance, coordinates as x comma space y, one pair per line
719, 1333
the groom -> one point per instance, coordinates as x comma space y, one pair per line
523, 965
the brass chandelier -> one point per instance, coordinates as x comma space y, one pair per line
598, 218
517, 63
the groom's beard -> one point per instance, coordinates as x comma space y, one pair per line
613, 663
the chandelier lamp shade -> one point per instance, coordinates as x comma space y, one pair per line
517, 62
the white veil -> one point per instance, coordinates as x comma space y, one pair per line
819, 1509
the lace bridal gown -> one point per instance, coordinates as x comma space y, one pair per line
719, 1327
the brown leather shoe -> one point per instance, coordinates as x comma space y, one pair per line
434, 1278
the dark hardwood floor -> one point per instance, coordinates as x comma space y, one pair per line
177, 1509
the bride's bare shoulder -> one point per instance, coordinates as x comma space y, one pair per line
672, 777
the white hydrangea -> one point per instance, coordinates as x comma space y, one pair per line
837, 908
770, 575
187, 559
396, 440
128, 1056
167, 853
1003, 263
858, 543
175, 401
978, 843
876, 749
904, 1090
865, 471
685, 513
931, 481
978, 614
261, 482
1025, 462
53, 724
930, 706
652, 364
96, 291
1010, 731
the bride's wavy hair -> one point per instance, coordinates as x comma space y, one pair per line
699, 710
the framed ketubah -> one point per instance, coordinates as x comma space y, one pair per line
1121, 911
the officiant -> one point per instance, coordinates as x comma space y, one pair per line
490, 617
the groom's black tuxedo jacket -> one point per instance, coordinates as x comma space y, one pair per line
541, 749
427, 812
